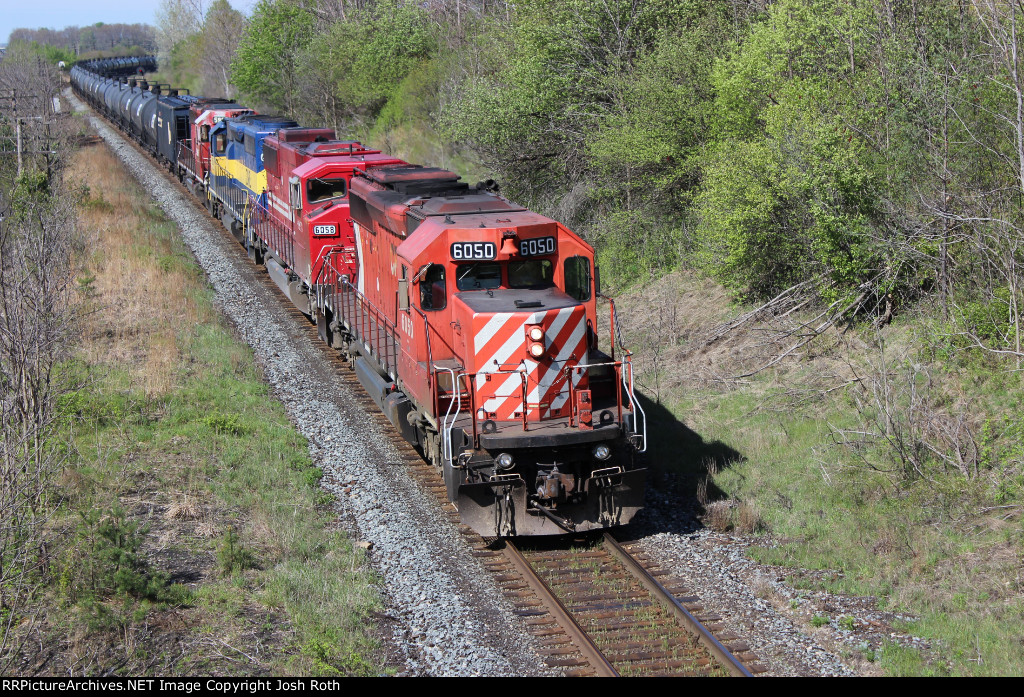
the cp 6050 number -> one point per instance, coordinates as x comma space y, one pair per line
538, 246
324, 229
474, 250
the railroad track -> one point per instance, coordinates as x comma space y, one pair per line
596, 608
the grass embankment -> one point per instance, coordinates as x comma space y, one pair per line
787, 453
199, 540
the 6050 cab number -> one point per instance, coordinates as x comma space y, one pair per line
324, 229
474, 250
536, 247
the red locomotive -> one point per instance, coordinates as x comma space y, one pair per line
306, 204
472, 323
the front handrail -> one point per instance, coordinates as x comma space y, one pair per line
446, 436
634, 403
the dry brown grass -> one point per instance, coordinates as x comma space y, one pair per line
184, 508
138, 289
669, 325
729, 515
718, 515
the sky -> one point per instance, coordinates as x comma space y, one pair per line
57, 14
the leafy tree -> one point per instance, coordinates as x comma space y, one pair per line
792, 181
354, 66
264, 67
598, 115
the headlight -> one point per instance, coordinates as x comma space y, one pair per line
504, 461
536, 333
602, 452
536, 350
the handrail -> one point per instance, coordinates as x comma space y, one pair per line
277, 237
635, 403
426, 329
446, 436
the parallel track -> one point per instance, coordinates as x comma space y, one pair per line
595, 611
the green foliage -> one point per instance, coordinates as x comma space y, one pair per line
790, 189
393, 39
106, 561
597, 114
19, 49
232, 556
185, 64
265, 63
988, 319
226, 424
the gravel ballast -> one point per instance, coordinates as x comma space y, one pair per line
452, 618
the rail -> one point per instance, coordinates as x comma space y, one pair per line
560, 614
725, 657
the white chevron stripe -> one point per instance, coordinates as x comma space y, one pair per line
566, 350
560, 319
509, 388
570, 346
489, 330
515, 341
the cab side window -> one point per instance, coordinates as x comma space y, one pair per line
432, 290
577, 278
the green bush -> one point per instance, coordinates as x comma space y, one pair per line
105, 561
232, 556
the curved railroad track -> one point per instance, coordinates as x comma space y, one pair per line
595, 610
594, 607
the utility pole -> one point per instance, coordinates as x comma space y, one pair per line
17, 128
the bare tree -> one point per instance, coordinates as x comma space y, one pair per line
902, 428
38, 235
222, 30
176, 20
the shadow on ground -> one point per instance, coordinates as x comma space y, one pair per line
678, 461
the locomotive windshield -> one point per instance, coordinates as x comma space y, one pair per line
532, 273
478, 276
319, 190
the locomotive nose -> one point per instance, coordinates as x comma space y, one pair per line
521, 346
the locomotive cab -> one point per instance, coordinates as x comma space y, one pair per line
304, 220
